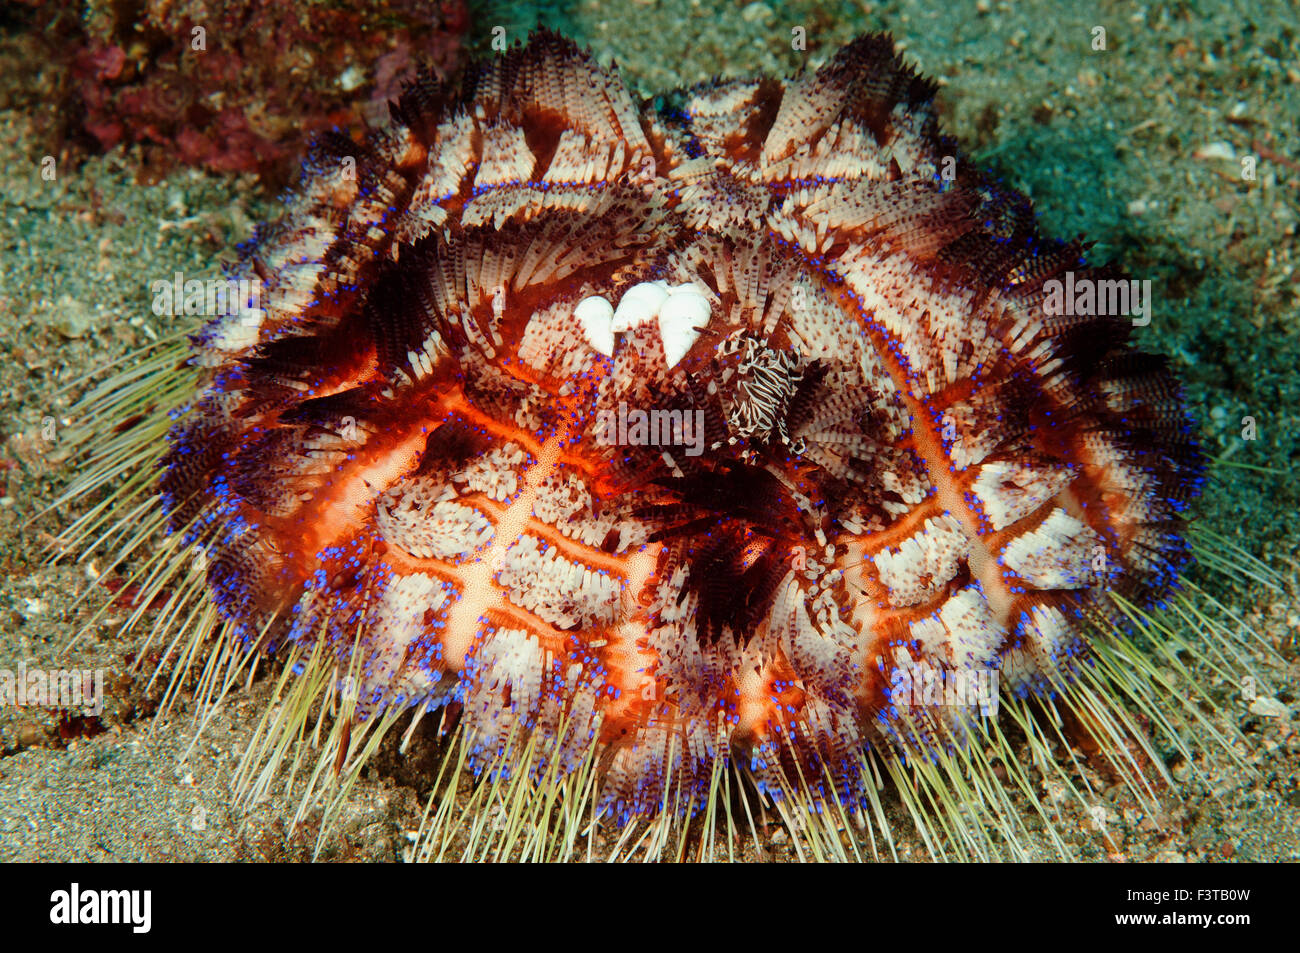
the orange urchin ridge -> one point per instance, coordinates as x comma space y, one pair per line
903, 462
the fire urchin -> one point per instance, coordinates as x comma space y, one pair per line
688, 460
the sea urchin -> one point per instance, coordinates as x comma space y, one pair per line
739, 447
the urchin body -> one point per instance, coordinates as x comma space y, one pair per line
849, 441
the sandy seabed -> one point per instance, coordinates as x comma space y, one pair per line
1137, 146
